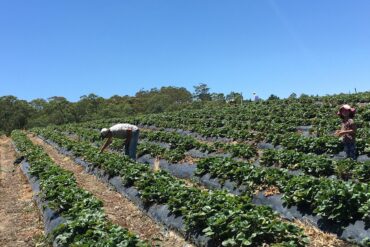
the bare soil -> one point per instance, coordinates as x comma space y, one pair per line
319, 238
118, 208
21, 223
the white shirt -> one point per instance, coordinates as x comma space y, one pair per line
120, 130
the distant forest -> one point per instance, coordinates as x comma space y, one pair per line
18, 114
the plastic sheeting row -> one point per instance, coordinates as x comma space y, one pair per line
356, 232
160, 213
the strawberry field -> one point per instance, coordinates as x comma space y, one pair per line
228, 175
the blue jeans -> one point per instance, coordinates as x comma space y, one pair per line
350, 149
130, 149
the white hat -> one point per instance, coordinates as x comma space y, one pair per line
347, 107
104, 132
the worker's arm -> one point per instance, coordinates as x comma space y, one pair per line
351, 130
106, 144
343, 132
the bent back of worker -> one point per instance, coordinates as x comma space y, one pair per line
120, 130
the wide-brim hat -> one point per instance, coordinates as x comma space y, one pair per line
346, 107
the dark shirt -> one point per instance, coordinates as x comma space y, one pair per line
349, 125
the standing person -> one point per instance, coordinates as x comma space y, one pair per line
348, 130
256, 98
128, 132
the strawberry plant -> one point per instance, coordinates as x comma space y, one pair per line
213, 213
86, 224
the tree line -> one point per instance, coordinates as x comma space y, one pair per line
18, 114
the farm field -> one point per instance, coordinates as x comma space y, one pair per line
185, 123
267, 173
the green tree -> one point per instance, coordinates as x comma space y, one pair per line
14, 113
39, 116
218, 97
234, 97
38, 104
87, 107
201, 92
292, 96
176, 95
59, 110
273, 97
159, 100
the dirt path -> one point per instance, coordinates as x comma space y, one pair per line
118, 208
319, 238
20, 222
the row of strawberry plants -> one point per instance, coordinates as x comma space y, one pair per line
144, 147
294, 141
281, 134
279, 117
156, 150
86, 224
311, 164
177, 140
256, 181
254, 178
226, 219
317, 145
239, 123
274, 117
317, 165
261, 178
178, 144
233, 121
334, 200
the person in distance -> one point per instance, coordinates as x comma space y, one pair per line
128, 132
348, 130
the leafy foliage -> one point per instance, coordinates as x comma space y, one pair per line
228, 220
86, 224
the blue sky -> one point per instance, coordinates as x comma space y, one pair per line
75, 47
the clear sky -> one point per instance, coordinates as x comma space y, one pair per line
75, 47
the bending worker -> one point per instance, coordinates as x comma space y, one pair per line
128, 132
